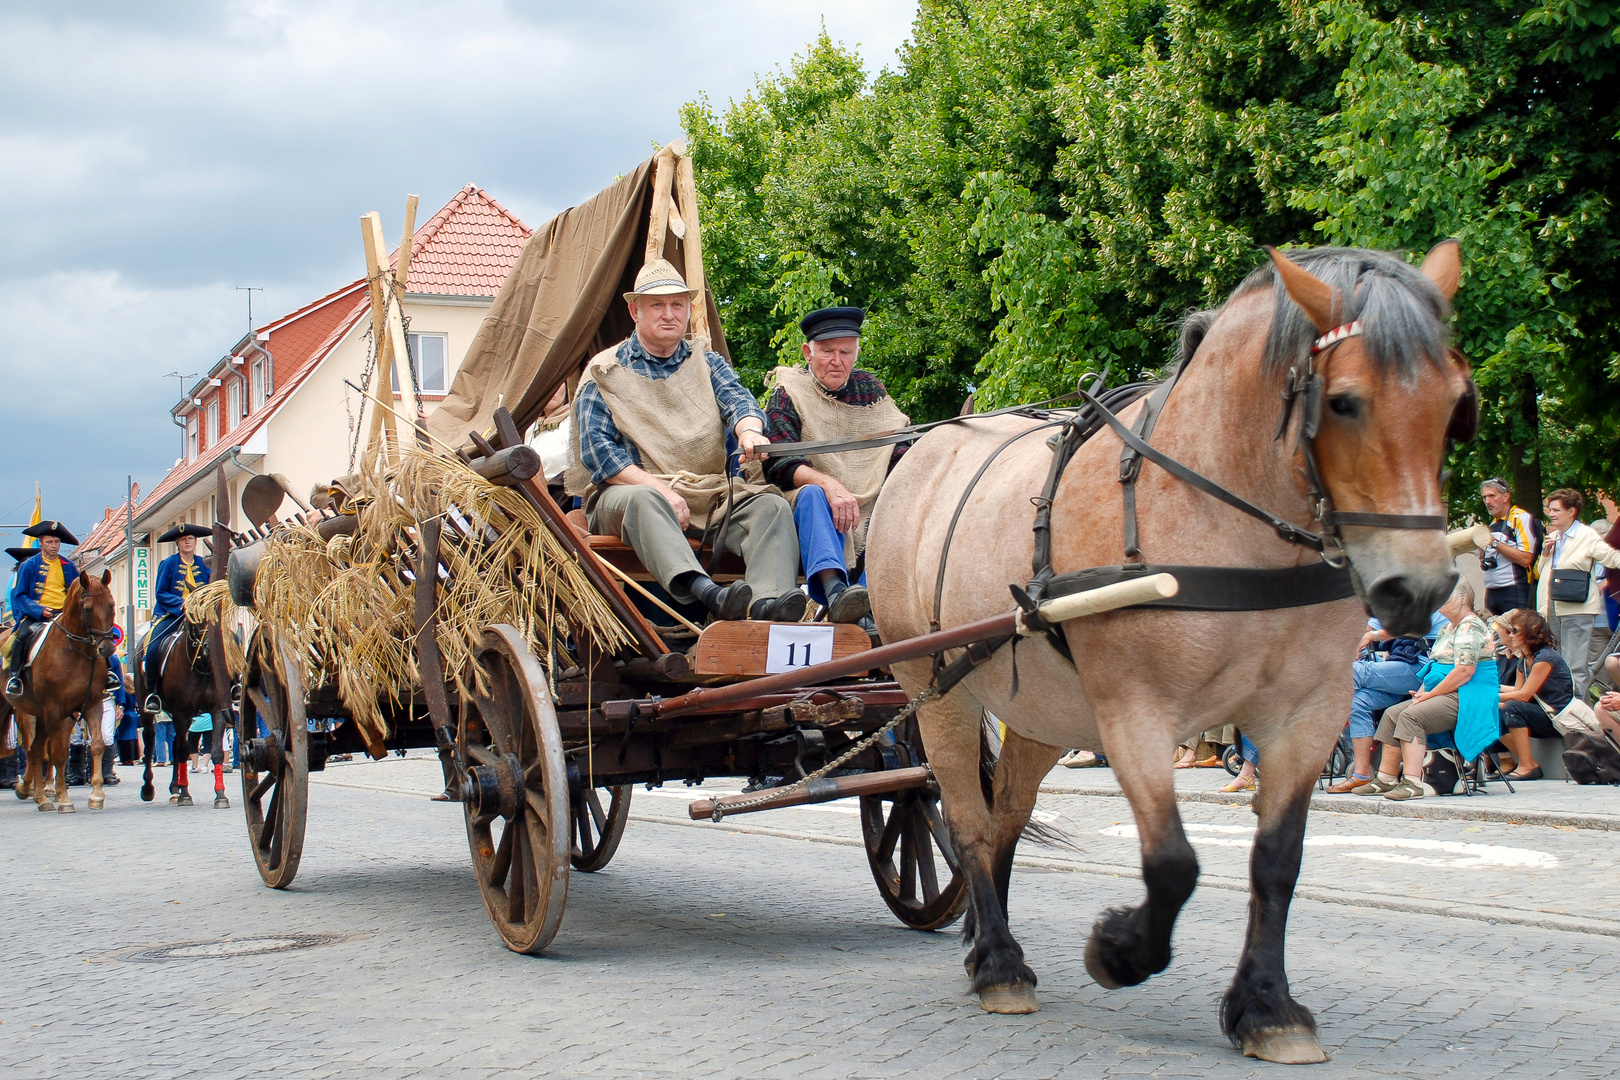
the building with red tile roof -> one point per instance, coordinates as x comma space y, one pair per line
282, 399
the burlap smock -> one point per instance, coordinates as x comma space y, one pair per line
676, 427
823, 417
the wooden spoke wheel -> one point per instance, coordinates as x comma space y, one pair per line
599, 815
912, 860
275, 761
515, 794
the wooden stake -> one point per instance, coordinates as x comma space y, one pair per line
692, 249
382, 423
658, 221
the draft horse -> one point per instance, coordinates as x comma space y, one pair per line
188, 688
68, 676
1278, 543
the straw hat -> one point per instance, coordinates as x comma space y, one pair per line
659, 278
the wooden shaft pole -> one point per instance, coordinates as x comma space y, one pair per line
823, 790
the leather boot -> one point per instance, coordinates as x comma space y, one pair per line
727, 604
789, 607
107, 774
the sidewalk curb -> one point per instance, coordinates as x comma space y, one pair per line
1435, 808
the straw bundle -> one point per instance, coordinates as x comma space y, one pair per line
212, 603
346, 608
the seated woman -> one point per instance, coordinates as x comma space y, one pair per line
1538, 671
1608, 706
1459, 692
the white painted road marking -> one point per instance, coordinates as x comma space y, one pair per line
1394, 849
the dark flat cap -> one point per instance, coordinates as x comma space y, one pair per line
52, 528
21, 554
832, 322
184, 530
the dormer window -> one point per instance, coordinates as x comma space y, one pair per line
191, 437
260, 382
233, 404
213, 423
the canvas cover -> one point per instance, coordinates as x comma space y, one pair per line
561, 304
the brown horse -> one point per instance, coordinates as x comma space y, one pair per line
1141, 680
187, 687
69, 675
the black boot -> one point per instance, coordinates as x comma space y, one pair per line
726, 604
78, 765
8, 770
789, 607
107, 774
847, 603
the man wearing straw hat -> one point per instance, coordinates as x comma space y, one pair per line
650, 459
38, 592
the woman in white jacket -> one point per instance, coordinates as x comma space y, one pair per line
1570, 545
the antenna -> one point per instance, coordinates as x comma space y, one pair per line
250, 290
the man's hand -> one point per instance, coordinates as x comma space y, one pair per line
750, 441
1610, 702
846, 511
683, 513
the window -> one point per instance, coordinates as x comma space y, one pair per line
233, 404
191, 437
211, 435
428, 350
260, 381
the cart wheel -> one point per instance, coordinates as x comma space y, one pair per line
1232, 758
597, 829
275, 767
908, 824
515, 794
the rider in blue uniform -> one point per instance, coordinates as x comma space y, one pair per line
38, 592
177, 576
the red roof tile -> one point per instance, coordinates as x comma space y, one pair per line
467, 248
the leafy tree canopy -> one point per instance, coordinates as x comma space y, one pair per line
1041, 189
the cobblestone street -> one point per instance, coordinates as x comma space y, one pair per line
760, 948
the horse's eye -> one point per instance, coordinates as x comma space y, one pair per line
1345, 406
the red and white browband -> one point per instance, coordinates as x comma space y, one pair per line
1336, 335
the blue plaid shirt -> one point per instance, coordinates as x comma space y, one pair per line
605, 451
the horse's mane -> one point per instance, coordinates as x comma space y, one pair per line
1402, 313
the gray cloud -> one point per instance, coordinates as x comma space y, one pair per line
154, 156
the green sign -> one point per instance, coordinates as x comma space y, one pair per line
143, 578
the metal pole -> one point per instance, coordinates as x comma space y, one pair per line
129, 553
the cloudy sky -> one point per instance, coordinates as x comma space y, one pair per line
156, 155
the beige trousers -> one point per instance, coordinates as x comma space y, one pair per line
761, 531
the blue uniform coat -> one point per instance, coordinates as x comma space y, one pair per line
171, 597
29, 583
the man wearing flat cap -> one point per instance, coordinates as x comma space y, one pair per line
833, 494
177, 577
650, 459
38, 592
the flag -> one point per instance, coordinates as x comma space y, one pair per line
33, 541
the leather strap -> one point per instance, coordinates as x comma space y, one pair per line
1222, 588
1130, 461
1384, 521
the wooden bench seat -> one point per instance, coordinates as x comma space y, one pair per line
622, 555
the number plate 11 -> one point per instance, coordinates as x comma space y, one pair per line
797, 645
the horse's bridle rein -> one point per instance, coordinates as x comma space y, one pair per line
91, 637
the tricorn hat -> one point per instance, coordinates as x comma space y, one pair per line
21, 554
184, 530
832, 322
659, 278
52, 528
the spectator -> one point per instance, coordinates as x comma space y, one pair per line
1608, 706
1509, 562
1538, 672
129, 725
1458, 693
1248, 778
1571, 547
1382, 681
162, 739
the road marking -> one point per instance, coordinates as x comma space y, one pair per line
1392, 849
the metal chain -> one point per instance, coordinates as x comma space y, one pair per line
718, 812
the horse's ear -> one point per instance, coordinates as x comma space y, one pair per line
106, 577
1443, 266
1313, 295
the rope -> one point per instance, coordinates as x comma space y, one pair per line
717, 812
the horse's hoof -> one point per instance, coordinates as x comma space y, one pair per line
1095, 968
147, 792
1286, 1046
183, 799
96, 803
21, 792
66, 808
221, 802
174, 789
47, 807
173, 799
1011, 999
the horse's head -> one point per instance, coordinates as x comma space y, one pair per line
96, 609
1379, 396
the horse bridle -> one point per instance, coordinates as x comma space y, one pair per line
91, 636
